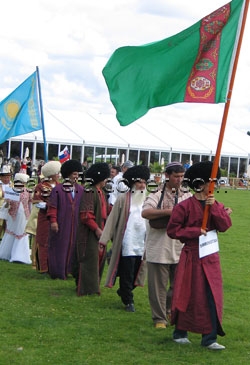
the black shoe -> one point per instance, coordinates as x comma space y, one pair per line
130, 307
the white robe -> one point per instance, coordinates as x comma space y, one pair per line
15, 242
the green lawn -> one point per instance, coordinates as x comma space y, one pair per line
42, 321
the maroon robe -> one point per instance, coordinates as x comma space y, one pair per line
42, 193
61, 250
190, 310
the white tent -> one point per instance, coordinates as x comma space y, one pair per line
147, 133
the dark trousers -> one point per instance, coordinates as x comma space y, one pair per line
212, 336
128, 269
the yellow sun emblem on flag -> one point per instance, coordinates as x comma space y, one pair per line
11, 109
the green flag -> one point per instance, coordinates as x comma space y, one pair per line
192, 66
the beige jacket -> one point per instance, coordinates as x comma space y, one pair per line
160, 248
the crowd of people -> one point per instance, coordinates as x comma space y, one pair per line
64, 225
16, 164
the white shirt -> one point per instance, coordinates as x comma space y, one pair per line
134, 236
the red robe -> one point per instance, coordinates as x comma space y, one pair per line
42, 193
190, 310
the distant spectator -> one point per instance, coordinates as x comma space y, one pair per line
6, 168
127, 164
1, 157
17, 165
84, 165
29, 166
116, 175
23, 168
186, 165
39, 169
245, 179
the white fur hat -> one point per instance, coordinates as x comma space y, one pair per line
51, 168
21, 177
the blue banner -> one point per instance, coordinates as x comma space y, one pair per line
19, 112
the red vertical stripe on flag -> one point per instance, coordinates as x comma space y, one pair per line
201, 86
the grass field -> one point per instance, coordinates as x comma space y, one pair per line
42, 321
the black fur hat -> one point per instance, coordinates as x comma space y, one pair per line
200, 173
136, 172
70, 166
98, 172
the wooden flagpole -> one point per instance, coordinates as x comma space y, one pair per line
224, 118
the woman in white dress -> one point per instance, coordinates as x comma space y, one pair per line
15, 242
5, 182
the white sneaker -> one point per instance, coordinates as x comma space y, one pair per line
182, 340
216, 346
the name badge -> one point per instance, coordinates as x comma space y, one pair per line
10, 194
208, 244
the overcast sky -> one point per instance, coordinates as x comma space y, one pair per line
71, 41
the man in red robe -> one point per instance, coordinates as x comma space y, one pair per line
198, 296
50, 171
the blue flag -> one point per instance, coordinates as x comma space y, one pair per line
19, 111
